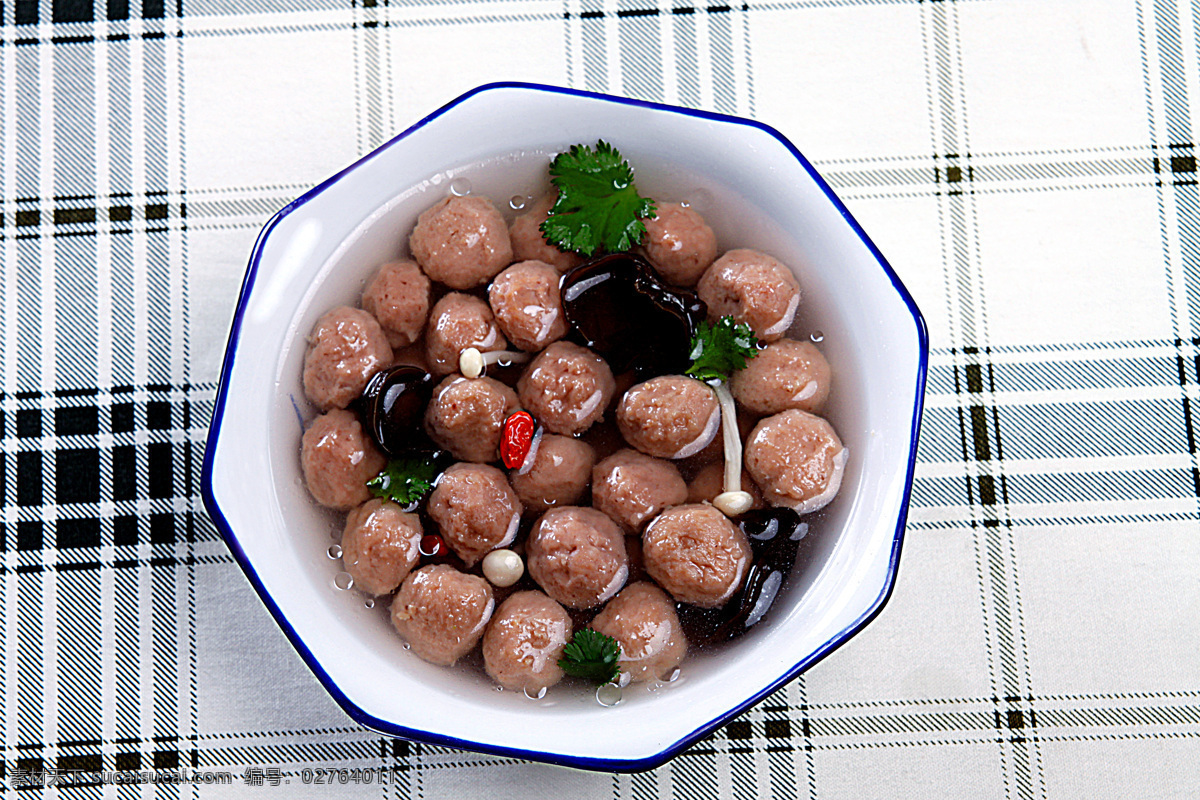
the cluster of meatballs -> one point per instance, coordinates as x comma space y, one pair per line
611, 509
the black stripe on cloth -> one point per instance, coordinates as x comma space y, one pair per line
880, 724
1179, 153
1188, 418
640, 44
979, 414
864, 178
632, 8
61, 464
370, 75
73, 216
30, 12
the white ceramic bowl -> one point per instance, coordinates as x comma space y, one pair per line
757, 191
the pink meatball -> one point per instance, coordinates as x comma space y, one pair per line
560, 474
696, 554
527, 304
671, 416
338, 459
398, 296
753, 288
567, 387
380, 545
632, 488
459, 321
577, 555
785, 374
475, 509
461, 241
679, 244
525, 640
345, 349
710, 482
797, 460
442, 612
643, 621
466, 416
528, 243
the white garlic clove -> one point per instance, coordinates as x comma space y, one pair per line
732, 504
503, 567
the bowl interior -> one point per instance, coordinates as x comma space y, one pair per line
754, 193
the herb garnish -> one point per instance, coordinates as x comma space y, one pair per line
405, 480
598, 206
720, 350
592, 655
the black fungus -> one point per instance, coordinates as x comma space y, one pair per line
774, 536
618, 307
392, 407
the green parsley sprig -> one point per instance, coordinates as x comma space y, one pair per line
722, 349
405, 480
598, 207
591, 655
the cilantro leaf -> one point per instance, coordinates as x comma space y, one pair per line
405, 480
720, 350
592, 655
598, 206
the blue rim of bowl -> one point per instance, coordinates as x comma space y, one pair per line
579, 762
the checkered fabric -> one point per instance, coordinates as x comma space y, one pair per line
1028, 167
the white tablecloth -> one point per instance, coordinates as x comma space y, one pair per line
1028, 167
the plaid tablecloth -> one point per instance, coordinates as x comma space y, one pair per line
1029, 168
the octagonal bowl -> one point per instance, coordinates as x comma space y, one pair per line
756, 190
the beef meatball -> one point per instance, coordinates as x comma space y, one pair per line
567, 387
459, 321
398, 297
785, 374
710, 482
380, 545
466, 416
696, 554
755, 289
442, 612
643, 621
679, 244
461, 241
528, 243
561, 472
671, 416
524, 641
632, 487
475, 509
577, 555
346, 348
527, 305
338, 459
797, 460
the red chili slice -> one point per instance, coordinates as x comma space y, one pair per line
516, 438
432, 546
